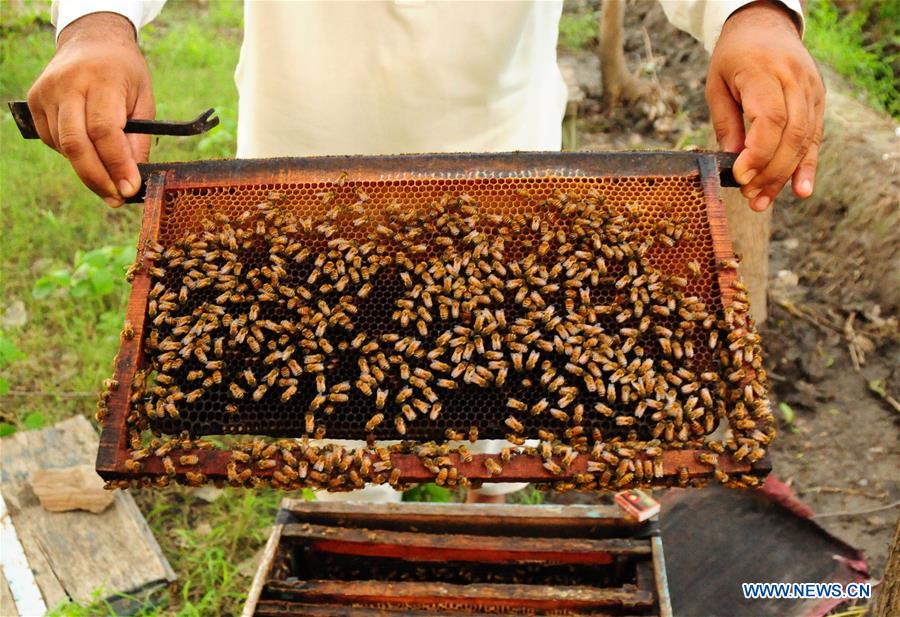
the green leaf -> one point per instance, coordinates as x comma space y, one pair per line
80, 289
9, 353
43, 287
98, 258
788, 412
4, 386
6, 429
428, 492
46, 285
34, 421
102, 282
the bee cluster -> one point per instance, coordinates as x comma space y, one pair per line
553, 322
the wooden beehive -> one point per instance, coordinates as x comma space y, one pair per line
415, 559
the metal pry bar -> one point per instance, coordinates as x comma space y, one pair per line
200, 124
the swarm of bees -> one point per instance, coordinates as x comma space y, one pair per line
554, 317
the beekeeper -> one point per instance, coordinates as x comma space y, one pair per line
407, 76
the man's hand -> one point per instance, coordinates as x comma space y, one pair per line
80, 103
760, 68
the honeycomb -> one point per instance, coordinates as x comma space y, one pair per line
574, 310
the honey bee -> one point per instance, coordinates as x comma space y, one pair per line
492, 467
194, 479
400, 424
168, 466
729, 263
236, 391
514, 424
188, 459
708, 458
694, 267
552, 467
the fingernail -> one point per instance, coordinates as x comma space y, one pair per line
112, 202
126, 189
748, 176
752, 194
806, 187
762, 203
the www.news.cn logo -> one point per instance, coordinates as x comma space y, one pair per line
806, 591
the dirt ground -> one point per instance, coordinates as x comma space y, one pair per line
838, 445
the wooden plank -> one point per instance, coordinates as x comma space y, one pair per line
237, 172
75, 553
483, 595
663, 599
416, 546
16, 571
280, 608
548, 520
7, 604
524, 468
749, 232
262, 572
111, 453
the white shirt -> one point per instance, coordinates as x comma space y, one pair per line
401, 76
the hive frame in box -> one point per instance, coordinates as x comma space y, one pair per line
713, 169
477, 534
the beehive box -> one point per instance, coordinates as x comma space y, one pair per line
455, 559
573, 298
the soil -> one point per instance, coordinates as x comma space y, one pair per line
839, 445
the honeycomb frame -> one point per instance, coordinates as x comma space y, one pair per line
646, 176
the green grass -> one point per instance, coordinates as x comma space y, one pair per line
578, 30
861, 45
49, 217
61, 249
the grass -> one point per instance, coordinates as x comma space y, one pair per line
50, 217
578, 30
860, 44
60, 258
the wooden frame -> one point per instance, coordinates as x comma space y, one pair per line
158, 179
492, 533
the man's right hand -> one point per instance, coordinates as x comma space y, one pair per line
80, 103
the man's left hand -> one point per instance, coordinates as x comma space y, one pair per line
760, 68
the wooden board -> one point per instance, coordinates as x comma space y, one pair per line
416, 546
491, 595
7, 604
73, 554
550, 520
279, 608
